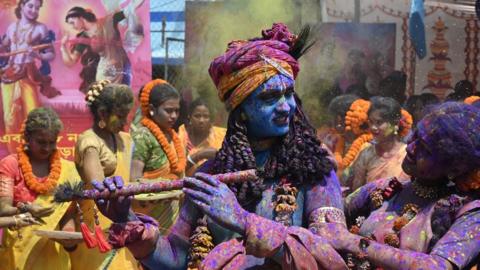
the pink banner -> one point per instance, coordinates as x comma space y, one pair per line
52, 50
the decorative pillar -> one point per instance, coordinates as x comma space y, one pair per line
439, 78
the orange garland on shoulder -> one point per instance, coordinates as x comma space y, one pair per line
471, 99
354, 150
177, 161
406, 122
31, 181
472, 182
355, 119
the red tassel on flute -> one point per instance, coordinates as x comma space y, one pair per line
90, 240
102, 242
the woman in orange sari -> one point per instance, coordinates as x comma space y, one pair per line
383, 157
201, 139
28, 179
159, 153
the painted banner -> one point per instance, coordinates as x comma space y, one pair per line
50, 52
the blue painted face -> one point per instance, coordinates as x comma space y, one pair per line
269, 109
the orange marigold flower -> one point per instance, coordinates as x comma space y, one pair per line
471, 99
31, 180
357, 116
406, 123
471, 183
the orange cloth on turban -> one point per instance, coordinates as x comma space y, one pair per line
246, 80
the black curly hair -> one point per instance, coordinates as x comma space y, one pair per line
299, 157
42, 119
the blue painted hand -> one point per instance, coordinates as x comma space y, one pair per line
217, 201
116, 209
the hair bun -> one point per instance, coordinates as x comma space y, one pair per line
95, 90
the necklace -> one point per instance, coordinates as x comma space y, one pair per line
428, 192
31, 180
23, 34
175, 155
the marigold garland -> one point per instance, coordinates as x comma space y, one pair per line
355, 120
471, 99
471, 183
406, 123
177, 161
357, 116
31, 181
145, 95
354, 150
176, 156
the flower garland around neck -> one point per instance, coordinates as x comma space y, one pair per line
31, 181
355, 121
353, 151
175, 155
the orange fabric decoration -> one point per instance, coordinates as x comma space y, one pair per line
406, 122
246, 80
471, 99
357, 116
177, 161
31, 181
471, 183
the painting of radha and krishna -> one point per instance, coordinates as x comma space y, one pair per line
51, 51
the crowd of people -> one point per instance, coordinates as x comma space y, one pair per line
389, 183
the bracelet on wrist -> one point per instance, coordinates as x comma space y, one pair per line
22, 207
14, 227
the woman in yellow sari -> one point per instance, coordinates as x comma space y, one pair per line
159, 153
201, 139
27, 181
102, 151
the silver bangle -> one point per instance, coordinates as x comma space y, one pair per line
334, 214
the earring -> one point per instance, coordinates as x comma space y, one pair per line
25, 147
102, 124
151, 113
396, 130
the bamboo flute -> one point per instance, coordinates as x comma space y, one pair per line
68, 192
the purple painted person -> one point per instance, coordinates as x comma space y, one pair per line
431, 221
263, 223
